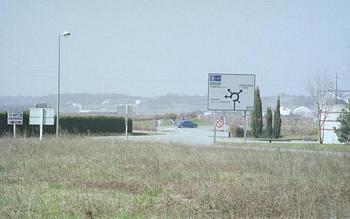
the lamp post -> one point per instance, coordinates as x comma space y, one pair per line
65, 34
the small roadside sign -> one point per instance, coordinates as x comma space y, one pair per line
219, 123
14, 118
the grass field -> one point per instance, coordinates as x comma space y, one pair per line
299, 146
76, 177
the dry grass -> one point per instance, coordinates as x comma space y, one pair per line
89, 178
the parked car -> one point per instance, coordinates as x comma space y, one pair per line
186, 124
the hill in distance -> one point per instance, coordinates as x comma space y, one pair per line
72, 103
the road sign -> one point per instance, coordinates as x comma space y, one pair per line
41, 117
219, 123
48, 117
231, 91
14, 118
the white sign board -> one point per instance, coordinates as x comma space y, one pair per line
14, 118
48, 116
231, 91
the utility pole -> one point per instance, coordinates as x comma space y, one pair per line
336, 90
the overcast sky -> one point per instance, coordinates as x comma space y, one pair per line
156, 47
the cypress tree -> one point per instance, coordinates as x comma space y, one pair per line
277, 120
257, 119
269, 122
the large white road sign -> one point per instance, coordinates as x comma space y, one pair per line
231, 91
44, 115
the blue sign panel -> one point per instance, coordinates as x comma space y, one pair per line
215, 78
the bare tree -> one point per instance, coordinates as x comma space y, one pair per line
319, 90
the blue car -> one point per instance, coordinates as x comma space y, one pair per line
186, 124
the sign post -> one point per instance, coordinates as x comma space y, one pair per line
14, 118
214, 126
126, 121
245, 126
231, 92
41, 123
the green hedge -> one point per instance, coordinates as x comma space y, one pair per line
69, 124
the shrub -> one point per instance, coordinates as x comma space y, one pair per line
236, 131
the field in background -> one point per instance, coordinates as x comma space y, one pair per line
84, 177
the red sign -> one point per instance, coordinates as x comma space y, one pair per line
219, 123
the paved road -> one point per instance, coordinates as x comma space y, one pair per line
203, 137
197, 136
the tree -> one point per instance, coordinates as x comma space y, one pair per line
343, 132
319, 90
277, 122
257, 119
269, 122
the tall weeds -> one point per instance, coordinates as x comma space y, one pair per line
86, 177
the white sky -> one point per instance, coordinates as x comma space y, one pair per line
156, 47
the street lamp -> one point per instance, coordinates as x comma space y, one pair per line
65, 34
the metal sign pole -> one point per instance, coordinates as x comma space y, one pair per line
224, 119
14, 130
41, 124
126, 121
214, 126
245, 126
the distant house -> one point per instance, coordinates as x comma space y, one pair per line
302, 111
204, 115
285, 111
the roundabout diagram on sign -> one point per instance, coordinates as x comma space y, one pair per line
234, 96
231, 92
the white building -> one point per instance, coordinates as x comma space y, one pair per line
303, 112
330, 122
285, 111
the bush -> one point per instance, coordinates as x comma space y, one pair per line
236, 131
70, 124
171, 116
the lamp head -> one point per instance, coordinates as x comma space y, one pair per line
66, 34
